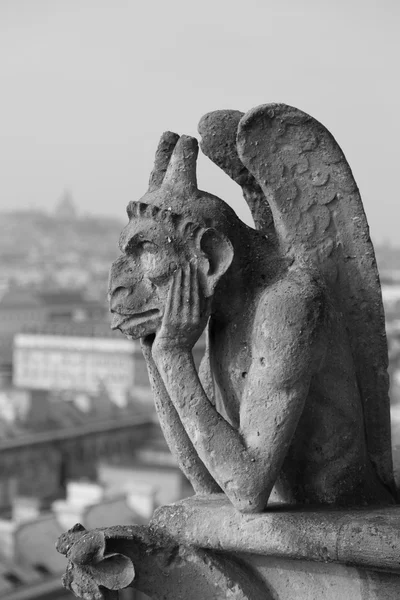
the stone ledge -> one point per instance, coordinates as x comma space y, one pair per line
365, 537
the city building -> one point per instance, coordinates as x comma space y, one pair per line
85, 357
22, 308
30, 567
135, 474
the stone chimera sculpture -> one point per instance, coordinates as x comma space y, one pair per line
292, 394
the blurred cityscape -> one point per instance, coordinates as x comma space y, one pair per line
79, 440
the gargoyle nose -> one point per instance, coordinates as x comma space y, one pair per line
118, 298
121, 278
126, 300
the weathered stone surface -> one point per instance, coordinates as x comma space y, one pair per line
293, 390
367, 537
318, 214
314, 554
287, 579
103, 561
203, 548
218, 131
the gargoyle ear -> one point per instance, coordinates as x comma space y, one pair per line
164, 152
218, 252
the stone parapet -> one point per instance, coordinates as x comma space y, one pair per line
284, 553
364, 537
299, 553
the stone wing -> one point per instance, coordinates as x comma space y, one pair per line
218, 132
319, 218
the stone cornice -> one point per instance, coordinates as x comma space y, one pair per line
361, 537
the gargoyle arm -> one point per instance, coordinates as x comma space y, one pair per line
246, 462
177, 439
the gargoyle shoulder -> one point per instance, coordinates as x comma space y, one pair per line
293, 318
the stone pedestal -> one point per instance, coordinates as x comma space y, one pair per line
203, 547
298, 553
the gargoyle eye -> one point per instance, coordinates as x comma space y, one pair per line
137, 246
147, 246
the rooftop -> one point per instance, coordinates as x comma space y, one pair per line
25, 297
74, 328
31, 568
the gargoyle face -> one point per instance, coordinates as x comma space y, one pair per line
140, 278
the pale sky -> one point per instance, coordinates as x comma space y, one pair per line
88, 86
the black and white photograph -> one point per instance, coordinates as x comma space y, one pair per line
199, 300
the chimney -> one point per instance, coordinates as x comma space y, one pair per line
80, 495
25, 508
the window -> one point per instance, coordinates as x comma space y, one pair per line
13, 578
42, 569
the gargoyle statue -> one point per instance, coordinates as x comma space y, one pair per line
292, 394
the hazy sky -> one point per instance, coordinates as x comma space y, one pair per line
88, 86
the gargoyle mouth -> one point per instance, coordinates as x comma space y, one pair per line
128, 319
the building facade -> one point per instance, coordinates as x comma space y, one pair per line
22, 309
81, 359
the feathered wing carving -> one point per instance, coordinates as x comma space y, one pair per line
316, 209
218, 132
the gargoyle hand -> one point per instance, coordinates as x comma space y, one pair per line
186, 313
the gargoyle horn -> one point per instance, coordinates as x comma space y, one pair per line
164, 152
181, 171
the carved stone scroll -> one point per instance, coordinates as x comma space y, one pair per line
100, 562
